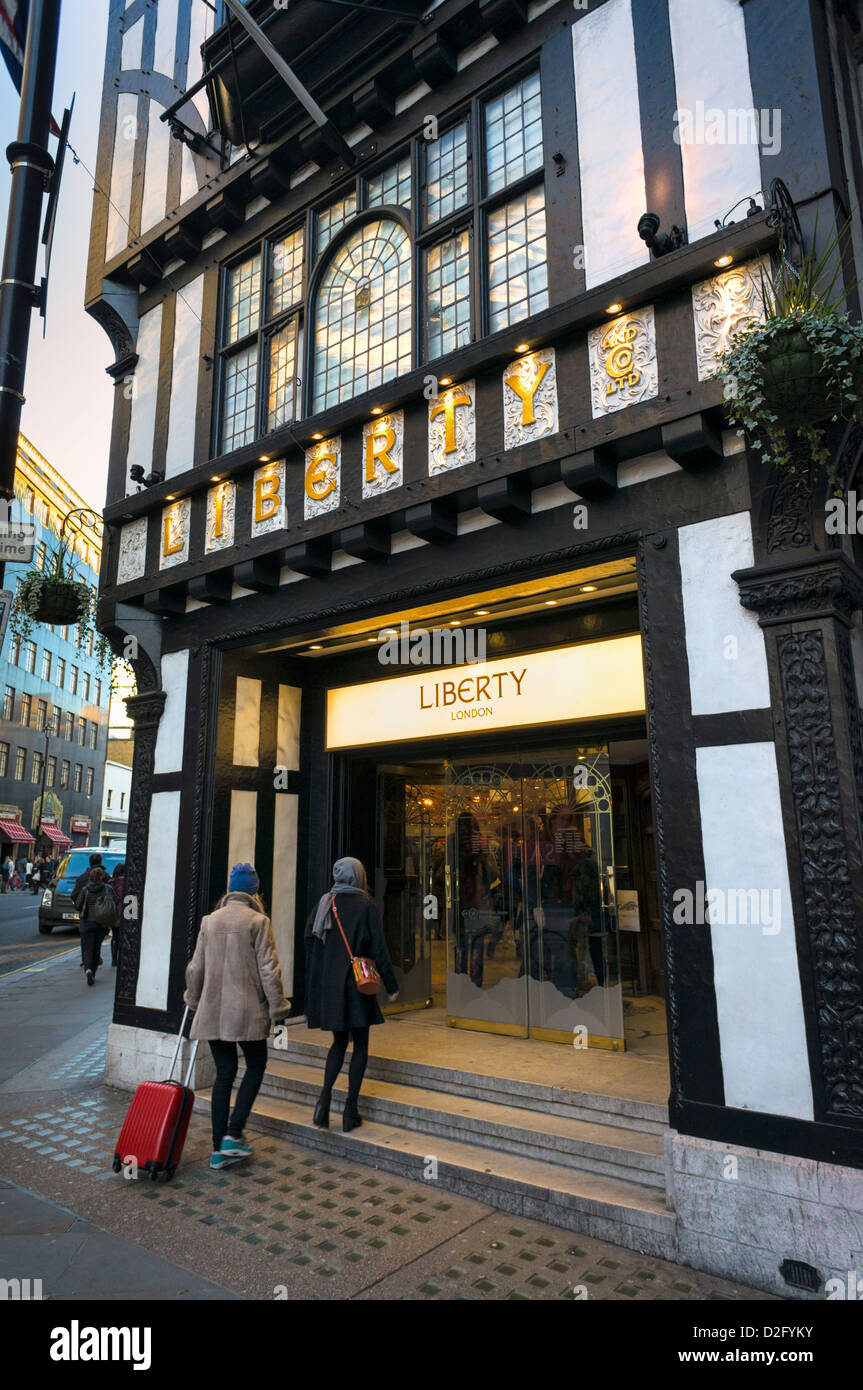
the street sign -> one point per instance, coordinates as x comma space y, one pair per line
17, 540
5, 604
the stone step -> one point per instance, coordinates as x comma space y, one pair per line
551, 1138
504, 1090
629, 1214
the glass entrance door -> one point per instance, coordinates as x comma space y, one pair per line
532, 945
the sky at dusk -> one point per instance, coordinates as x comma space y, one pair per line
67, 414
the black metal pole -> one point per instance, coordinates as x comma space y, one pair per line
31, 165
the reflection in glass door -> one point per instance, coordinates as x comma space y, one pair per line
532, 944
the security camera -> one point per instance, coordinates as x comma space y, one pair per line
660, 245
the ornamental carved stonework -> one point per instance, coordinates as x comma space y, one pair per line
831, 925
452, 428
269, 509
721, 307
322, 489
623, 367
145, 711
530, 399
132, 558
221, 515
175, 523
383, 452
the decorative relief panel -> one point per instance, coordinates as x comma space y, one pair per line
174, 549
452, 428
323, 478
269, 508
623, 366
383, 451
722, 306
530, 399
132, 560
221, 515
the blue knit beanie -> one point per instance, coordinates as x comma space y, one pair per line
243, 879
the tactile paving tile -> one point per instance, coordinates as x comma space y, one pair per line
87, 1065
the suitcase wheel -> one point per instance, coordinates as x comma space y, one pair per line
154, 1175
117, 1164
169, 1173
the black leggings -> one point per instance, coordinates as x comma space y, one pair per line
225, 1058
359, 1058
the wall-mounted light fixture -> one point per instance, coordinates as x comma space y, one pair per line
659, 243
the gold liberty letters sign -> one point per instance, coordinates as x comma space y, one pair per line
221, 508
530, 399
452, 428
322, 478
269, 509
623, 366
383, 446
174, 549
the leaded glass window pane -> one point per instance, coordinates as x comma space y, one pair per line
447, 184
332, 219
238, 401
447, 295
517, 270
282, 394
243, 309
392, 185
286, 272
513, 134
362, 323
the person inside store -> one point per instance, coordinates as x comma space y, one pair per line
344, 927
234, 987
477, 921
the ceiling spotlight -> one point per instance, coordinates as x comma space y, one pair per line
659, 243
316, 648
551, 603
481, 612
264, 458
171, 497
723, 260
377, 410
588, 588
522, 347
456, 622
446, 381
613, 308
216, 478
317, 436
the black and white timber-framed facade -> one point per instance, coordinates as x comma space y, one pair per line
438, 383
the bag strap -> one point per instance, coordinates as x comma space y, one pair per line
341, 928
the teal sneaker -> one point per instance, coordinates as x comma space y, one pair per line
220, 1160
235, 1148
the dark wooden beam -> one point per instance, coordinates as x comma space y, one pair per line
309, 557
261, 574
369, 540
693, 442
590, 473
506, 499
213, 587
435, 521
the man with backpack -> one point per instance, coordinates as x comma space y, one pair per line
97, 905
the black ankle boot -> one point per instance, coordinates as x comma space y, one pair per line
350, 1118
321, 1116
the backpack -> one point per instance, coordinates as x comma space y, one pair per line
104, 907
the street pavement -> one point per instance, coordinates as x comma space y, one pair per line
288, 1224
20, 942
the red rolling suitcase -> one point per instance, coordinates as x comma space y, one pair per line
155, 1128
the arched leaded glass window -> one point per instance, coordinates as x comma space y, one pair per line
362, 317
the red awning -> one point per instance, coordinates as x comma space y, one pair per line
11, 830
56, 836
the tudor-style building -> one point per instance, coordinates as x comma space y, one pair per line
424, 361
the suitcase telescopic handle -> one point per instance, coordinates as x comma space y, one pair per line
177, 1051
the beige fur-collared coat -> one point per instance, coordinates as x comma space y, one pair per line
234, 981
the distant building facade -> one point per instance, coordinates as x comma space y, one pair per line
114, 823
54, 692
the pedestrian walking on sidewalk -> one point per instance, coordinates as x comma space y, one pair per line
7, 869
333, 1000
234, 985
118, 883
93, 900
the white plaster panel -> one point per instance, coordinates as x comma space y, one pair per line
188, 176
180, 451
724, 644
125, 133
641, 470
247, 722
476, 50
611, 163
711, 75
284, 906
241, 831
153, 203
721, 307
132, 559
172, 725
762, 1036
133, 39
166, 37
200, 28
623, 365
142, 422
288, 727
158, 909
411, 97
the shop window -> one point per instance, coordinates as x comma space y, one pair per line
329, 222
446, 285
4, 759
20, 764
64, 774
513, 134
517, 270
391, 187
447, 174
362, 319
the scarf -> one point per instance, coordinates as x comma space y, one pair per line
349, 876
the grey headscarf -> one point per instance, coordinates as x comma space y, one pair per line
349, 876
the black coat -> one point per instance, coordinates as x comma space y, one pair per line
332, 998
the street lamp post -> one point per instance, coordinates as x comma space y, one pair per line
50, 728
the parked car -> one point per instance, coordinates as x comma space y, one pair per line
57, 907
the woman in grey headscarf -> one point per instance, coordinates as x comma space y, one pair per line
332, 998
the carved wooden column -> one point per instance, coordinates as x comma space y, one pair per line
145, 710
806, 595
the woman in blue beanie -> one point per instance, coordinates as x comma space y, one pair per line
234, 984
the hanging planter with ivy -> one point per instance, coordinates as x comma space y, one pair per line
57, 596
790, 376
